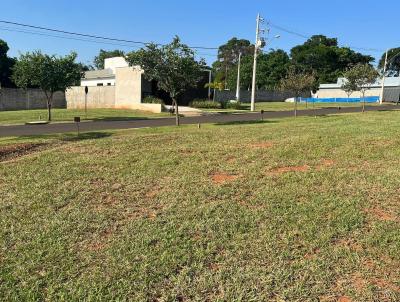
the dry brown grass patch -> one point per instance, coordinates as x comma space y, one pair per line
382, 215
9, 152
221, 178
262, 145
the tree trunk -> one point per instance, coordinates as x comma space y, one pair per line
175, 102
49, 103
363, 104
295, 106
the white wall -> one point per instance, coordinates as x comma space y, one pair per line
94, 82
114, 63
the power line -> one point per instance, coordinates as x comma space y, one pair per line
94, 36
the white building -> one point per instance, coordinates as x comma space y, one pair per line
106, 76
391, 90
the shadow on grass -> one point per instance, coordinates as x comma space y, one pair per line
244, 123
84, 136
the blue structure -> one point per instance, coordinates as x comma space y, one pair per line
368, 99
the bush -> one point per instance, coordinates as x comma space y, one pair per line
232, 105
205, 104
152, 100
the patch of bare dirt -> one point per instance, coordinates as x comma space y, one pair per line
283, 170
359, 283
263, 145
313, 254
381, 214
385, 285
9, 152
350, 244
325, 163
221, 178
344, 299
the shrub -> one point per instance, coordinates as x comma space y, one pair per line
232, 105
205, 104
152, 100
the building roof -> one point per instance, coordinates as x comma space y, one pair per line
389, 82
99, 74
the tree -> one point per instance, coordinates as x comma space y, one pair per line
49, 73
6, 64
271, 68
326, 58
349, 87
361, 77
105, 54
228, 55
172, 66
215, 85
297, 83
393, 65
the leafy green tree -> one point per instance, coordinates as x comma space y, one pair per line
326, 58
106, 54
361, 77
172, 66
393, 60
6, 64
49, 73
271, 68
228, 55
349, 87
297, 82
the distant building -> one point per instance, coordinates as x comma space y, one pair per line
106, 76
391, 90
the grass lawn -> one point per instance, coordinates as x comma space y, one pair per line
23, 116
281, 106
286, 210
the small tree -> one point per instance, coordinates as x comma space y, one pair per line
297, 83
361, 77
348, 87
172, 66
49, 73
215, 85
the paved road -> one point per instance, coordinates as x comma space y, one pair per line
27, 130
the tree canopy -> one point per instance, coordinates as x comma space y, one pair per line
393, 65
172, 66
6, 64
105, 54
326, 58
49, 73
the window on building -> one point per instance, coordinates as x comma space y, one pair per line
108, 84
99, 84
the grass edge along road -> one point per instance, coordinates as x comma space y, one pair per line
285, 210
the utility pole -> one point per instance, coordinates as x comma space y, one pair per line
256, 47
238, 79
384, 77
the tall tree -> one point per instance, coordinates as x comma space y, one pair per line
271, 68
228, 55
49, 73
172, 66
361, 77
326, 58
6, 64
393, 66
106, 54
297, 82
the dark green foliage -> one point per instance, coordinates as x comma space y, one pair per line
6, 65
326, 58
152, 100
393, 60
205, 104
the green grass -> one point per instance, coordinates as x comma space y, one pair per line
282, 106
138, 215
67, 115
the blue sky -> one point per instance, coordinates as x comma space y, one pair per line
361, 23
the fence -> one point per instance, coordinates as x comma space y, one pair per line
25, 99
367, 99
261, 96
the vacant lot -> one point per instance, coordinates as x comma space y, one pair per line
304, 210
61, 115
